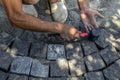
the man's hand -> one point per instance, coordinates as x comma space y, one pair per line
69, 32
88, 17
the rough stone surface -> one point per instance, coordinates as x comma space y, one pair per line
109, 55
72, 4
89, 47
38, 69
38, 50
94, 62
20, 48
21, 65
55, 52
59, 68
113, 71
31, 78
5, 60
76, 78
103, 39
17, 77
73, 50
3, 75
61, 78
77, 68
5, 40
94, 76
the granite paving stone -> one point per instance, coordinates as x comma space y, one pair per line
71, 4
73, 50
5, 60
109, 55
89, 47
59, 68
20, 48
38, 69
3, 75
76, 78
103, 39
60, 78
74, 16
94, 62
55, 51
17, 77
32, 78
77, 68
113, 71
27, 36
38, 50
21, 65
5, 40
94, 76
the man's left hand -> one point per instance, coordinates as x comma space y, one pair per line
88, 17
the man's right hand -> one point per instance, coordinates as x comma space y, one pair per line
69, 32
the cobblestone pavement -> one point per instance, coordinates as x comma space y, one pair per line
39, 56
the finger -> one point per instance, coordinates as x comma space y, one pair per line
94, 23
86, 29
100, 15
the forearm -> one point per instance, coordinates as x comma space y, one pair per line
29, 22
83, 4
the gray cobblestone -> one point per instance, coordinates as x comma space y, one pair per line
73, 50
94, 76
113, 71
5, 60
5, 41
59, 68
61, 78
17, 77
38, 69
20, 48
77, 68
76, 78
109, 55
38, 50
94, 62
55, 52
21, 65
31, 78
3, 75
102, 41
72, 4
89, 47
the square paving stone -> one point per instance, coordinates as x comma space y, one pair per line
5, 41
21, 65
94, 76
60, 78
38, 69
17, 77
76, 78
55, 51
3, 75
94, 62
113, 71
38, 50
32, 78
89, 47
59, 68
109, 55
103, 39
77, 68
20, 48
73, 50
5, 60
